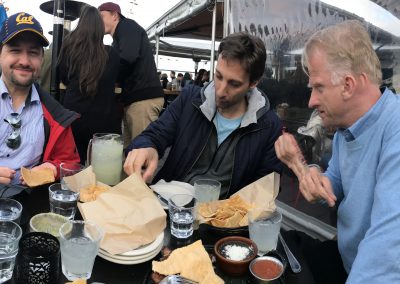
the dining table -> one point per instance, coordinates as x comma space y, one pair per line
36, 200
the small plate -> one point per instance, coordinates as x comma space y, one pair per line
167, 189
141, 251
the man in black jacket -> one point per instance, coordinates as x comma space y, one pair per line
142, 94
223, 131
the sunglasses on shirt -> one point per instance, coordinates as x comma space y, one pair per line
13, 141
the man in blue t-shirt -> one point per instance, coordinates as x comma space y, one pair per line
223, 131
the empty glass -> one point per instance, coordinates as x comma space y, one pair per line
69, 169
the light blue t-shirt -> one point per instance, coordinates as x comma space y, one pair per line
365, 174
28, 154
225, 126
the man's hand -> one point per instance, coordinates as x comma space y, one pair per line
6, 175
143, 161
314, 186
288, 151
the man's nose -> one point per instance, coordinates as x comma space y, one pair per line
24, 58
312, 103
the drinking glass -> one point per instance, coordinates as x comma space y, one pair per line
38, 260
80, 242
69, 169
206, 190
10, 234
10, 210
63, 201
264, 228
181, 208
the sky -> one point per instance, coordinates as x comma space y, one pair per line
144, 12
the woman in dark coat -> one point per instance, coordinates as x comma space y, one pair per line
89, 69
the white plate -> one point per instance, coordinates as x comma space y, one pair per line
167, 189
141, 251
133, 260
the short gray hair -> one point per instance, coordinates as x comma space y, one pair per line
348, 48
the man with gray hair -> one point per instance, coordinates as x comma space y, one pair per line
362, 178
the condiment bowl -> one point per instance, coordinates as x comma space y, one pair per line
266, 269
47, 223
233, 254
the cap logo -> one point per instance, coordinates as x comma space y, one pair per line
21, 19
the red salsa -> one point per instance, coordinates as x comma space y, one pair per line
267, 269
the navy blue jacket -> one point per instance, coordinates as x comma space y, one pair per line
185, 128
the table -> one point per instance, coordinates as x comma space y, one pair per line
37, 201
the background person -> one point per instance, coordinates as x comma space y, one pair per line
142, 94
362, 178
40, 135
90, 86
224, 131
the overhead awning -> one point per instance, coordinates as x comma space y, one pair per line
189, 19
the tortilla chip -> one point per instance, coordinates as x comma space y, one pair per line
191, 262
37, 176
228, 213
91, 193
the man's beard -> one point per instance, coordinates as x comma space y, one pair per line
26, 84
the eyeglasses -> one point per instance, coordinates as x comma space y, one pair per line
13, 141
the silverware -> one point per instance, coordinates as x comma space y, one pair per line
294, 264
177, 279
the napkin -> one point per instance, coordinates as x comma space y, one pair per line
263, 192
129, 213
167, 189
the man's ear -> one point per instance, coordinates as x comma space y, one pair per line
348, 86
254, 84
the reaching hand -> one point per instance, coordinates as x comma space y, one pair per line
314, 186
143, 161
6, 175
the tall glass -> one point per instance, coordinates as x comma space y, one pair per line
80, 242
10, 234
264, 227
69, 169
206, 190
105, 154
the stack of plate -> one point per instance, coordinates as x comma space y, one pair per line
139, 255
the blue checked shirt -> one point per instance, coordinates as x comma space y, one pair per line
29, 153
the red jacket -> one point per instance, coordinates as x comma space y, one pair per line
59, 143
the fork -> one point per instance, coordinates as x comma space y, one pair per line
177, 279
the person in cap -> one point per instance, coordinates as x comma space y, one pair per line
35, 129
362, 178
224, 131
142, 94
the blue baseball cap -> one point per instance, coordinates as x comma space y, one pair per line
21, 22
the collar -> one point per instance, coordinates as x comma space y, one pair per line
33, 95
256, 101
368, 119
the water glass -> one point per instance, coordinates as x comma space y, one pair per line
10, 210
38, 260
181, 208
63, 201
80, 242
264, 228
10, 234
206, 190
69, 169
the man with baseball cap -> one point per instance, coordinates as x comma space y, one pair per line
34, 128
142, 94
